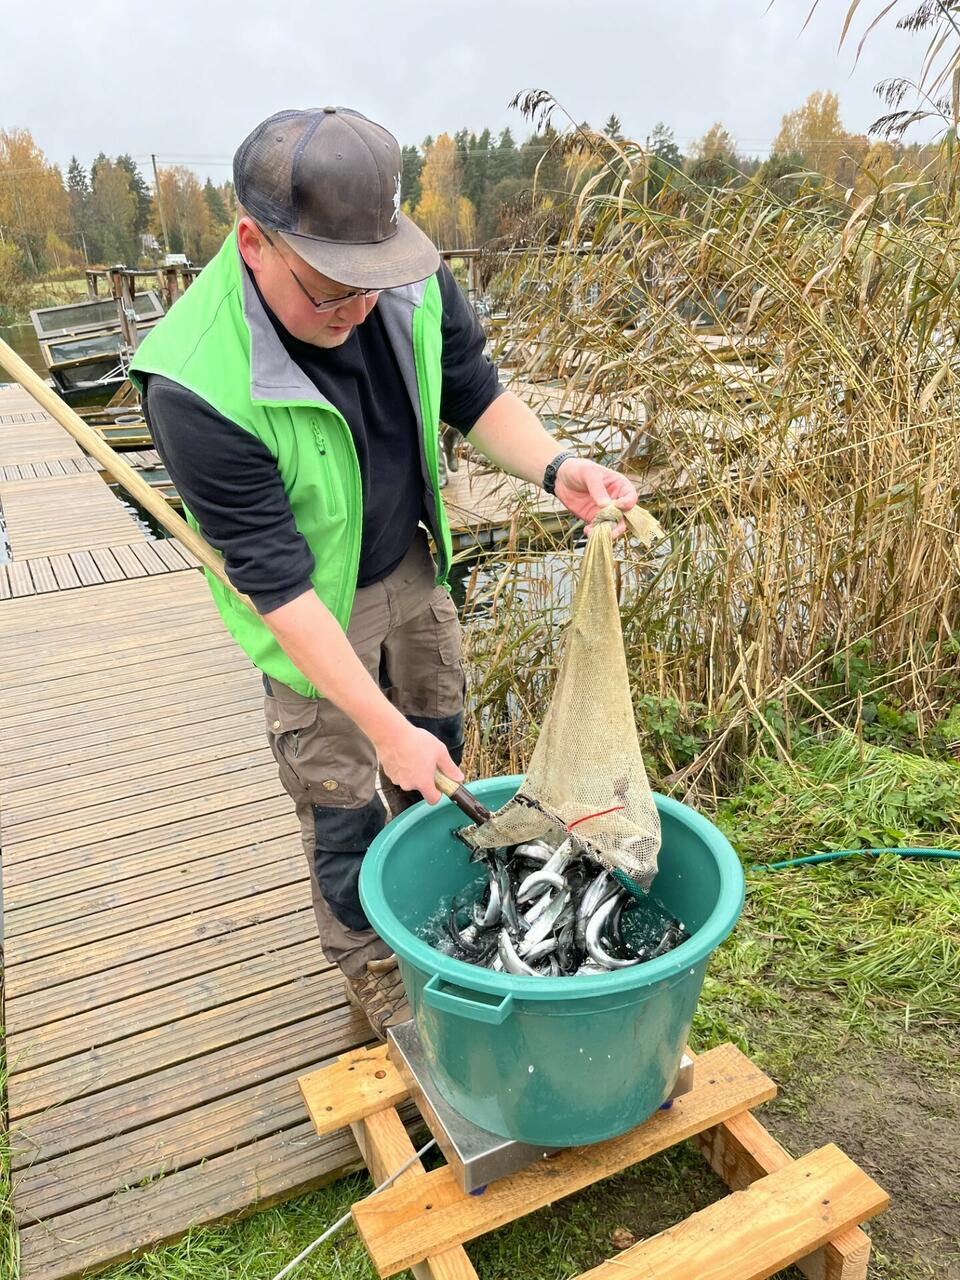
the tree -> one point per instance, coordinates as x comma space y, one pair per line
783, 174
189, 224
142, 195
412, 163
476, 170
504, 159
215, 204
815, 132
33, 199
714, 158
113, 214
439, 211
612, 129
664, 147
664, 159
15, 288
78, 191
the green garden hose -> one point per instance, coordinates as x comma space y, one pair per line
812, 858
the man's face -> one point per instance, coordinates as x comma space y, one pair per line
273, 264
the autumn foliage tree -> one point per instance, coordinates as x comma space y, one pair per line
444, 213
34, 207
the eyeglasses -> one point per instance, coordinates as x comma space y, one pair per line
318, 304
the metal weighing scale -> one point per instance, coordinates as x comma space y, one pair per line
476, 1156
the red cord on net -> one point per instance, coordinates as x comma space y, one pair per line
586, 818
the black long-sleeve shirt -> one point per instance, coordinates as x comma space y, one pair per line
230, 482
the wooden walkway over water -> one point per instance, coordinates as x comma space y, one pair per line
164, 983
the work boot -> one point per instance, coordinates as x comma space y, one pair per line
378, 992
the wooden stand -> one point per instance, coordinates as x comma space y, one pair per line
782, 1211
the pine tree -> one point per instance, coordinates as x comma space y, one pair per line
504, 159
218, 210
612, 129
410, 188
78, 189
141, 193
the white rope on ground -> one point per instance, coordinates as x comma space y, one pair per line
340, 1222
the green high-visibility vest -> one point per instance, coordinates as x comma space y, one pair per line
218, 341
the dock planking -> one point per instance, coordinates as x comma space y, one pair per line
164, 982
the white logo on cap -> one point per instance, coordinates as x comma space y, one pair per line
395, 216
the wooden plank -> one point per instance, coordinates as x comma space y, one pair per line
128, 562
296, 1045
741, 1150
262, 784
21, 584
106, 895
32, 944
406, 1224
131, 787
42, 575
112, 964
64, 572
148, 557
98, 741
386, 1147
155, 1150
105, 561
752, 1234
101, 1030
188, 555
353, 1087
171, 553
147, 1051
135, 762
87, 571
136, 1218
124, 981
5, 592
136, 688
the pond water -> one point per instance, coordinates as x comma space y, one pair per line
23, 339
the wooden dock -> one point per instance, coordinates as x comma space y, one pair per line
164, 983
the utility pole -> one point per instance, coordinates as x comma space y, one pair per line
163, 221
646, 169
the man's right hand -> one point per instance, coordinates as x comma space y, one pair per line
410, 757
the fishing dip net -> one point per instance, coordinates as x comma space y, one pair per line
587, 776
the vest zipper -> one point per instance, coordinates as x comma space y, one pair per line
320, 444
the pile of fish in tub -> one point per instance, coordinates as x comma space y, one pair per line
551, 911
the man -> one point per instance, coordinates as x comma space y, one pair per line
294, 393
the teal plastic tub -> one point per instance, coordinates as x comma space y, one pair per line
552, 1061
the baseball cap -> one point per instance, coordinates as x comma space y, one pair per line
327, 180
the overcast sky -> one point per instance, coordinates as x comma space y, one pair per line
189, 80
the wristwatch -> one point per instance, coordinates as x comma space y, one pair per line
550, 475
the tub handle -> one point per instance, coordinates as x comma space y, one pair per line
449, 999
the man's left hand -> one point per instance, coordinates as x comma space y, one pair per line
585, 487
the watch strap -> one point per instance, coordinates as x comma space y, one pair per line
550, 475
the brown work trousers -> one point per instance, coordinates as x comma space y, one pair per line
406, 633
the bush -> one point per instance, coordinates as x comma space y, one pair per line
15, 288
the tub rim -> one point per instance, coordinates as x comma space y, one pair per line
717, 926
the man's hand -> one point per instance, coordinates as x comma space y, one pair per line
584, 487
410, 757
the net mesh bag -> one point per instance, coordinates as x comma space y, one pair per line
587, 775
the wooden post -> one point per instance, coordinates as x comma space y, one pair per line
92, 283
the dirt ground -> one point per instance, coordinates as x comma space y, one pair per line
903, 1127
896, 1120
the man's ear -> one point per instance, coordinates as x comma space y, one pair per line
250, 242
